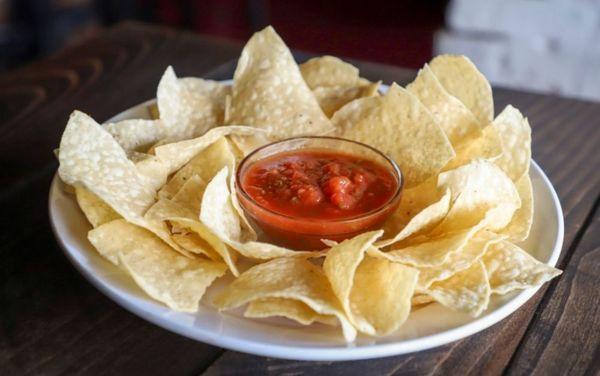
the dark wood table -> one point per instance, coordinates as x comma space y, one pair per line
52, 321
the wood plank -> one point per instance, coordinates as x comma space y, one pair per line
564, 337
102, 77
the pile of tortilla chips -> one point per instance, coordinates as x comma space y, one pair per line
160, 193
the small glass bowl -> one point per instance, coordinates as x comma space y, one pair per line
306, 233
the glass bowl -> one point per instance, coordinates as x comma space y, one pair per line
306, 233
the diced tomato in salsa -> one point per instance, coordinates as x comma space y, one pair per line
316, 183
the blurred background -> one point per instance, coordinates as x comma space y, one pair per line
550, 46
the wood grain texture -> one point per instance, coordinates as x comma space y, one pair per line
53, 322
568, 326
102, 76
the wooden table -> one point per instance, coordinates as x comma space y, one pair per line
52, 321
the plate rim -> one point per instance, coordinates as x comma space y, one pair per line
348, 352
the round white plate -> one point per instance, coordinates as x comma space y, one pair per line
428, 327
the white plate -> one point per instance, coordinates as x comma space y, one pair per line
428, 327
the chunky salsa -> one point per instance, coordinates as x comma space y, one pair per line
319, 184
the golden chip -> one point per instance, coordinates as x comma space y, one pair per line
175, 155
487, 146
136, 134
193, 243
354, 276
205, 164
459, 76
400, 126
286, 278
96, 211
190, 194
90, 157
289, 308
162, 273
154, 220
333, 98
270, 93
330, 71
520, 225
189, 107
423, 221
515, 133
457, 261
467, 291
479, 190
431, 251
457, 121
510, 268
228, 255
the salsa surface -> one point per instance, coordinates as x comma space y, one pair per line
320, 184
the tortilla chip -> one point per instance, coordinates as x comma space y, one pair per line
457, 261
487, 146
154, 171
456, 120
387, 310
423, 221
205, 165
217, 212
247, 144
288, 308
459, 76
466, 291
412, 201
136, 134
287, 278
193, 243
189, 107
96, 211
333, 98
515, 132
172, 156
431, 251
421, 299
155, 221
162, 273
270, 93
176, 154
190, 194
479, 190
103, 238
400, 126
90, 157
228, 255
511, 268
329, 71
354, 276
520, 225
248, 232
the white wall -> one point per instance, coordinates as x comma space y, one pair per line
549, 46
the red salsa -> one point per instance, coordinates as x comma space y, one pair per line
319, 184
